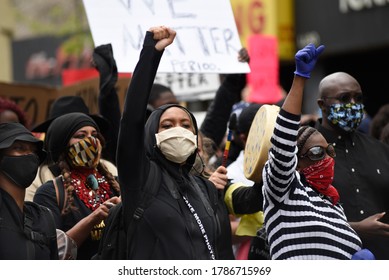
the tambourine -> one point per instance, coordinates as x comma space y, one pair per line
258, 141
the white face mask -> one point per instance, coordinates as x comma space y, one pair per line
176, 144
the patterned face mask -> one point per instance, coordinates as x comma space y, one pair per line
85, 153
346, 116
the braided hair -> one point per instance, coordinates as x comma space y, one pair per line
303, 135
66, 171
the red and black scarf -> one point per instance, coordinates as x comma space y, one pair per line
320, 176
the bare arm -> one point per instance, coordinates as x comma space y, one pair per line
371, 226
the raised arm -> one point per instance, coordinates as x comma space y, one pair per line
305, 62
132, 162
108, 99
280, 168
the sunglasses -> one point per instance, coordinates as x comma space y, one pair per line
347, 98
317, 153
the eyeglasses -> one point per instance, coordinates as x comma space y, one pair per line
347, 97
317, 153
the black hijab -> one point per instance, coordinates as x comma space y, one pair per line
153, 152
61, 131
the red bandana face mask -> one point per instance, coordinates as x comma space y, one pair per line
320, 176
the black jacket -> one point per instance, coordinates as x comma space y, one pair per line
167, 230
108, 99
18, 244
362, 180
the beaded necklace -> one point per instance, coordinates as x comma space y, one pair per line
91, 196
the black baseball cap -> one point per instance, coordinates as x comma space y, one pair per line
11, 132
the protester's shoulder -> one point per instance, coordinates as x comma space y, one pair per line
206, 186
371, 141
373, 147
43, 218
110, 166
209, 189
46, 189
45, 173
204, 183
36, 209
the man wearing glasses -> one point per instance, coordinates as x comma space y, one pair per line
362, 163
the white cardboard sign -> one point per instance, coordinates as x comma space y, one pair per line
190, 86
207, 39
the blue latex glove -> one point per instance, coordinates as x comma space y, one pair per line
306, 59
363, 254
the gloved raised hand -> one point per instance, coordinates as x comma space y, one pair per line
306, 59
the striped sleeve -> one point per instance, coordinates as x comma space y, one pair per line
280, 168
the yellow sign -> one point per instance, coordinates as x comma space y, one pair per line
267, 17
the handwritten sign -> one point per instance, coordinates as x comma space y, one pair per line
207, 39
190, 86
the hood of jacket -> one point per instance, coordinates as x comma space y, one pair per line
154, 153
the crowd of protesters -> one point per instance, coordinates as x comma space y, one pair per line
324, 191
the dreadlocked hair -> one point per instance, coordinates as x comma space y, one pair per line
303, 135
65, 171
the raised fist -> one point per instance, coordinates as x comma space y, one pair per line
306, 59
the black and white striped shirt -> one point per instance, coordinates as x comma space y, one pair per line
300, 223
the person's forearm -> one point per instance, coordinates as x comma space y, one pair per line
294, 99
248, 200
358, 227
81, 231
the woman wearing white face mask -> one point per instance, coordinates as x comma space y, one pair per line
180, 221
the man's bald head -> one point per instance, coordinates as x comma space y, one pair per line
336, 83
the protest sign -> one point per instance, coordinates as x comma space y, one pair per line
190, 86
207, 39
264, 77
36, 100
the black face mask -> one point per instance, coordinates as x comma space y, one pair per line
20, 169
